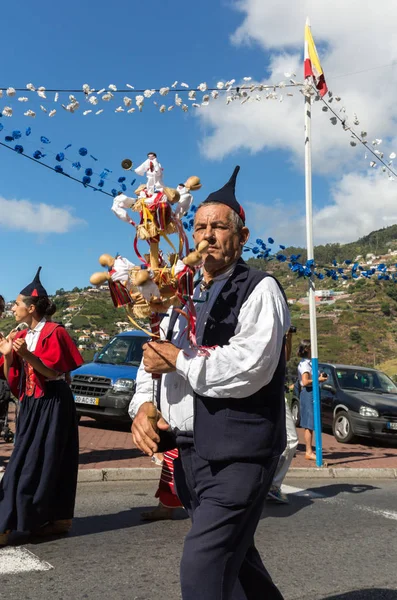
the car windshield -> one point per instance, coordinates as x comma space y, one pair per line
367, 381
122, 350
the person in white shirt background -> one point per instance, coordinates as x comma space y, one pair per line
306, 395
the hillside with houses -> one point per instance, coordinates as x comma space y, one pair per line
357, 319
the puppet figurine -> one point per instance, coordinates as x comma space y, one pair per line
117, 276
185, 271
153, 171
192, 184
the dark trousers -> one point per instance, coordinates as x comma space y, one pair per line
224, 501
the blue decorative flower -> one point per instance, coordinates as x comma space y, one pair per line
310, 263
123, 187
114, 193
60, 157
348, 262
282, 247
58, 169
83, 151
334, 263
28, 131
37, 155
16, 134
76, 165
18, 148
86, 180
44, 140
281, 257
121, 179
101, 183
105, 173
88, 172
9, 138
255, 250
270, 240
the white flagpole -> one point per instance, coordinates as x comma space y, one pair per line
312, 299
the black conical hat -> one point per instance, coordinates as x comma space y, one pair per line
35, 288
226, 195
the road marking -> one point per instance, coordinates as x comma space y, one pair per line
387, 514
294, 491
20, 560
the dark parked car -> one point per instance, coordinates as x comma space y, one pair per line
355, 402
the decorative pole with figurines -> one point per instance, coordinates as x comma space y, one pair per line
152, 288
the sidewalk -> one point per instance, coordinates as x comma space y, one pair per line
105, 446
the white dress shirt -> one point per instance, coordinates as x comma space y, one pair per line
236, 370
32, 336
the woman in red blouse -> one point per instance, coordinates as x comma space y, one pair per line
38, 490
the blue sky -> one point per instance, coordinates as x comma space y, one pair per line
102, 43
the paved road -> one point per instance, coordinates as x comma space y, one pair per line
334, 541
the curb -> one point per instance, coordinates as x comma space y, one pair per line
152, 474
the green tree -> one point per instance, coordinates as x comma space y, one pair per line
355, 336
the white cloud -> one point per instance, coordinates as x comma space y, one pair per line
359, 204
351, 37
23, 215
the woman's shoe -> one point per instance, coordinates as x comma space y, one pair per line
55, 528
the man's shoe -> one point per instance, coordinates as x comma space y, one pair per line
276, 495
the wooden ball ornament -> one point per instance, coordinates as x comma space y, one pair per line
99, 278
193, 183
106, 260
142, 277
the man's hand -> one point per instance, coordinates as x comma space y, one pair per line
143, 434
160, 357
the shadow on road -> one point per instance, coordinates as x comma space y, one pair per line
367, 594
303, 499
109, 455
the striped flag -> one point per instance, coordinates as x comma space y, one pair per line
312, 66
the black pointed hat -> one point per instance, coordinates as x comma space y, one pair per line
226, 195
35, 288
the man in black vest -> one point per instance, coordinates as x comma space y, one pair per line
225, 406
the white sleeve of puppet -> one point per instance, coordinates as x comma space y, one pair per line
141, 170
249, 360
120, 203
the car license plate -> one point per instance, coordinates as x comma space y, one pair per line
392, 426
86, 400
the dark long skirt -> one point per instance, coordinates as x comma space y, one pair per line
39, 484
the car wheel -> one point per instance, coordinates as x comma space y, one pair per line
295, 412
342, 427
